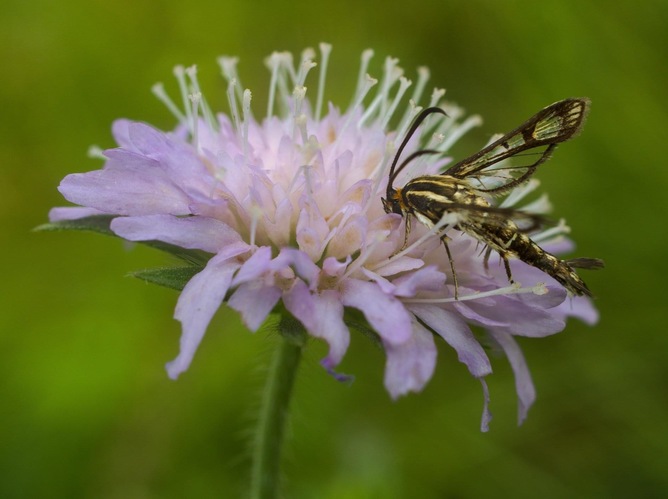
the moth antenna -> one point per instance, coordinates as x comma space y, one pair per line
411, 131
410, 158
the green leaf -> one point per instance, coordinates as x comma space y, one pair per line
197, 258
169, 277
97, 223
100, 224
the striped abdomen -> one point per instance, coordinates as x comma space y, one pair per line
429, 198
508, 241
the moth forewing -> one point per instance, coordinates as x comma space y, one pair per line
536, 138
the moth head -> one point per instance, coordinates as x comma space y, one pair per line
393, 202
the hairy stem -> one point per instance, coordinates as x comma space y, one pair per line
265, 478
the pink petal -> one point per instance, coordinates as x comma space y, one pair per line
348, 238
386, 314
254, 301
207, 234
486, 414
145, 139
457, 334
410, 364
332, 267
300, 262
198, 302
311, 229
425, 279
126, 160
403, 264
178, 160
322, 316
255, 266
125, 192
525, 320
278, 229
72, 213
581, 307
120, 131
526, 392
468, 311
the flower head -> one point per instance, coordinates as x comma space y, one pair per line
288, 211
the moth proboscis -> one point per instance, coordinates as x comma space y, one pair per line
465, 189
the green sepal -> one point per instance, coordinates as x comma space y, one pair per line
101, 223
292, 330
356, 321
96, 223
169, 277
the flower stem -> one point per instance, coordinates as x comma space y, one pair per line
265, 475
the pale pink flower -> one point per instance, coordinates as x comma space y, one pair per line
287, 210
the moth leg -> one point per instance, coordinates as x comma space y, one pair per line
485, 261
452, 265
407, 231
506, 264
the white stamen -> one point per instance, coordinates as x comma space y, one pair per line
368, 83
436, 96
540, 205
179, 72
447, 122
391, 73
446, 219
304, 69
311, 145
306, 170
273, 62
370, 110
195, 100
362, 79
423, 78
411, 112
325, 50
364, 256
232, 101
228, 66
96, 152
204, 106
456, 134
247, 117
513, 289
159, 91
286, 75
299, 118
436, 142
307, 56
256, 214
288, 63
559, 230
300, 124
519, 193
404, 83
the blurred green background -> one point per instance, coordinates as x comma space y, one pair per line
86, 409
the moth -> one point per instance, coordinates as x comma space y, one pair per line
464, 192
